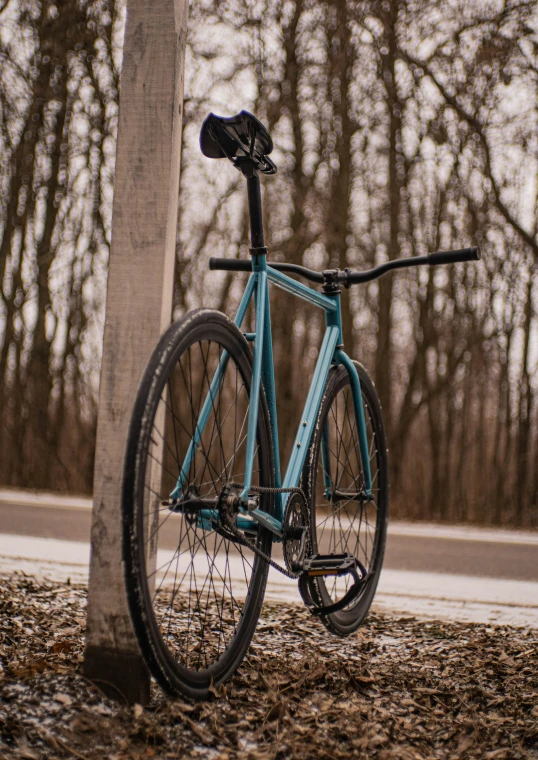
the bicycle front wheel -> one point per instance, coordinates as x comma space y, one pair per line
194, 590
342, 521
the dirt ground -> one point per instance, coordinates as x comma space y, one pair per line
400, 689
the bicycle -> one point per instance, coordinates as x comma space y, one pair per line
204, 499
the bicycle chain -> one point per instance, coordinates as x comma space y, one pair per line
245, 541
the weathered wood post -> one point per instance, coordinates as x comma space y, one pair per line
139, 306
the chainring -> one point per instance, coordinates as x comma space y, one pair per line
296, 532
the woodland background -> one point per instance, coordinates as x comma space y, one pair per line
400, 127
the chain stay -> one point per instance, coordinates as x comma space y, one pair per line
251, 545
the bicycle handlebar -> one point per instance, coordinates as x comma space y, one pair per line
452, 257
347, 277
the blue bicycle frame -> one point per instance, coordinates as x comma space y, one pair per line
330, 354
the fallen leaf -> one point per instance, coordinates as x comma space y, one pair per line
365, 679
64, 699
276, 712
465, 742
217, 692
62, 647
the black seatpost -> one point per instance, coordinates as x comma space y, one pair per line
255, 211
249, 171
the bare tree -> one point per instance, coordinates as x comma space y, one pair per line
400, 128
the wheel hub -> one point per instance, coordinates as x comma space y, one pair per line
228, 505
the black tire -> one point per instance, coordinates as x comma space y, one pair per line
196, 634
350, 524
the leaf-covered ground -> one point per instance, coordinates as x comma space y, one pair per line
400, 688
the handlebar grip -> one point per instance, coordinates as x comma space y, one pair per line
452, 257
230, 265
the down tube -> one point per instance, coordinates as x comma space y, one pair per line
343, 358
311, 408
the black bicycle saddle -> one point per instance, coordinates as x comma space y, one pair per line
237, 137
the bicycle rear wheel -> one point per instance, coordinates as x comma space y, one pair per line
195, 592
342, 522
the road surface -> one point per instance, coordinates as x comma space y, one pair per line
482, 575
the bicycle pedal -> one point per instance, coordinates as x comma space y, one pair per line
331, 564
327, 565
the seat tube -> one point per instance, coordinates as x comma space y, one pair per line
259, 267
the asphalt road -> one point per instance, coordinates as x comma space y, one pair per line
411, 548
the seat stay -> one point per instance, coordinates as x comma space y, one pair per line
200, 424
211, 395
